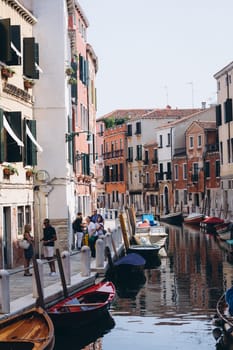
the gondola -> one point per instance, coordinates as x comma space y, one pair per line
83, 307
30, 330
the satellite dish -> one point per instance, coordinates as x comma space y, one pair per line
42, 175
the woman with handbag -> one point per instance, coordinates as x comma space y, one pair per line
28, 253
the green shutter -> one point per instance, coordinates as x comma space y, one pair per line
5, 40
32, 127
2, 144
30, 57
15, 38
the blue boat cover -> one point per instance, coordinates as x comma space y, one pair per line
149, 217
131, 259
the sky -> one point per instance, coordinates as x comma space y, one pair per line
154, 53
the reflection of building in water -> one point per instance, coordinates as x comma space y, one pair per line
227, 274
97, 345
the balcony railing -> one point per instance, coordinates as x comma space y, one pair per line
113, 154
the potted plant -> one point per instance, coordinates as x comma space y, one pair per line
8, 170
29, 172
69, 71
72, 81
28, 83
7, 72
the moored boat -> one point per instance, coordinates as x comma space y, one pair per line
225, 317
194, 218
155, 235
30, 330
149, 252
83, 307
127, 273
172, 218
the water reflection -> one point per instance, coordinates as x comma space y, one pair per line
178, 300
89, 337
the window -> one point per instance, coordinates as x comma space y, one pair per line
121, 172
217, 168
160, 141
130, 154
207, 169
168, 139
28, 219
138, 128
129, 130
20, 215
30, 58
199, 141
221, 152
30, 149
218, 111
190, 141
155, 157
185, 197
10, 43
228, 110
185, 172
10, 151
146, 161
139, 152
176, 172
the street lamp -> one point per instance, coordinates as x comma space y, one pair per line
70, 136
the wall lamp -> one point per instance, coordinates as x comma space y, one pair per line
70, 136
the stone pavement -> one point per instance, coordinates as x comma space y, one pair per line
23, 289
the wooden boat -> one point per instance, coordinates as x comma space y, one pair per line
172, 218
127, 273
148, 252
83, 307
224, 316
194, 218
154, 235
30, 330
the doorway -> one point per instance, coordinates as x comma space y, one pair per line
6, 238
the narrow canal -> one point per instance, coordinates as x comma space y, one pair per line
175, 306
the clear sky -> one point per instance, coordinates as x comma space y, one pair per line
157, 52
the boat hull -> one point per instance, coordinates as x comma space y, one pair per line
194, 219
172, 219
149, 252
83, 307
32, 330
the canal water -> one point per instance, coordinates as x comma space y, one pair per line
174, 308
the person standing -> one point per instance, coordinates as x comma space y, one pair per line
49, 238
28, 253
92, 237
77, 226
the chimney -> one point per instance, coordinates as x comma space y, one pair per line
203, 105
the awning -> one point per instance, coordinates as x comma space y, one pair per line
11, 132
28, 132
16, 50
38, 68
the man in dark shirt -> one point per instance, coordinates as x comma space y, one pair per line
49, 237
78, 226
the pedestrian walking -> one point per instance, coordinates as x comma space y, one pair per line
28, 253
49, 238
78, 227
97, 217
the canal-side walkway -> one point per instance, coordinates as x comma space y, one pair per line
22, 291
